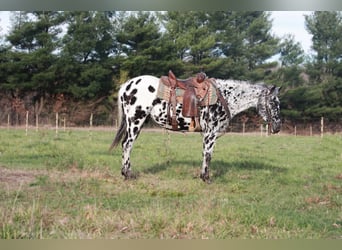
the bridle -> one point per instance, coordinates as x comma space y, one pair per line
268, 110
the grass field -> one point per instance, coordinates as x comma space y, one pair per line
70, 186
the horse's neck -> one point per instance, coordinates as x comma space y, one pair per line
240, 96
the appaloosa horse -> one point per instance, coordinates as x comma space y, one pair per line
138, 99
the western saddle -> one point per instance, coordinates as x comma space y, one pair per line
195, 90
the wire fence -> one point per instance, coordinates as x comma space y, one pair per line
60, 121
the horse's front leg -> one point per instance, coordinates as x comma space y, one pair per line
213, 120
209, 138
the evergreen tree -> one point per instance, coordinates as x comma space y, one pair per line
326, 30
140, 39
85, 66
34, 38
193, 39
259, 43
291, 52
291, 58
225, 44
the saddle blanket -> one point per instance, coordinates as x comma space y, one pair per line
164, 93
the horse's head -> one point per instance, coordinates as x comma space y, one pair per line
269, 108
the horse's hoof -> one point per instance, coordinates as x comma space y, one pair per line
129, 175
205, 177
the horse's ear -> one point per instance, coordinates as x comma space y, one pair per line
271, 89
278, 89
274, 90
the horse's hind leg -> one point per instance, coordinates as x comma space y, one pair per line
134, 125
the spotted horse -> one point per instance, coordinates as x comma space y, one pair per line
138, 99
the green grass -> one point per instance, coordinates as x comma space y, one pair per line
263, 187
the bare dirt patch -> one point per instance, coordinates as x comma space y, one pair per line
14, 178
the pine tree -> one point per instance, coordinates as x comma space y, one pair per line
34, 39
245, 42
85, 66
193, 39
291, 58
140, 40
326, 30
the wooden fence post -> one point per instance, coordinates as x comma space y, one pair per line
8, 121
322, 126
64, 124
26, 126
91, 120
37, 122
90, 124
56, 124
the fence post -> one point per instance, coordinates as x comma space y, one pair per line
64, 124
8, 121
37, 122
26, 124
90, 124
322, 126
56, 124
91, 120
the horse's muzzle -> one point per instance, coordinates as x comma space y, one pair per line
275, 127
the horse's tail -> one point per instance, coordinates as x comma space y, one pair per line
122, 129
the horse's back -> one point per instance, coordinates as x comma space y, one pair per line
140, 82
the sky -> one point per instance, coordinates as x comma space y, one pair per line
284, 22
292, 22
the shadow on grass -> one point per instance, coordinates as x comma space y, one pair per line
218, 168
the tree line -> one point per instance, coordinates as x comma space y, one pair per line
48, 57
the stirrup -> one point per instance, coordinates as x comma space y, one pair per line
195, 125
192, 125
198, 127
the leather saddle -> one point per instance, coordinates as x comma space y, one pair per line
195, 90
